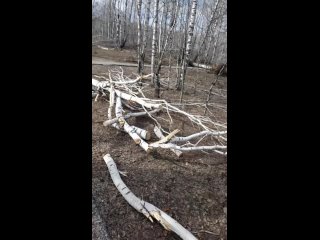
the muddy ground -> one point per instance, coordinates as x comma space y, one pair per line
192, 189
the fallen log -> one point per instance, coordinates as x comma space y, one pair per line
129, 115
136, 99
147, 209
131, 130
168, 137
100, 84
198, 65
141, 132
196, 135
186, 149
160, 135
136, 138
130, 93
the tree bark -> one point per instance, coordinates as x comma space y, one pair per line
147, 209
139, 35
188, 48
145, 36
154, 37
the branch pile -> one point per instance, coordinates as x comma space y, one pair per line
125, 92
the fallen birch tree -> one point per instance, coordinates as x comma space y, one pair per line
123, 91
147, 209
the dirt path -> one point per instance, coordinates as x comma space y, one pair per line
99, 231
108, 62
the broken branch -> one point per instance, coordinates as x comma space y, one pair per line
143, 207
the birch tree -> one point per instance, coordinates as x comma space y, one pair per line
154, 38
204, 39
188, 47
146, 29
139, 35
163, 50
145, 35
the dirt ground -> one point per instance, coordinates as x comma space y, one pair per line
192, 189
125, 55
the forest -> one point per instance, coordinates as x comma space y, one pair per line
159, 119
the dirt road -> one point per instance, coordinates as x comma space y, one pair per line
99, 231
108, 62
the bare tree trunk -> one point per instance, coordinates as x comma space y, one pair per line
165, 23
147, 209
118, 27
145, 35
183, 43
188, 48
207, 31
110, 19
139, 35
161, 54
154, 37
130, 16
161, 26
125, 35
169, 71
105, 31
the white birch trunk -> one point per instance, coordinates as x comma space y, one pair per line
197, 135
186, 149
137, 100
188, 47
122, 123
160, 135
154, 36
204, 66
143, 207
145, 35
138, 114
139, 35
136, 138
161, 25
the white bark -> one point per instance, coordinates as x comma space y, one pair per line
100, 84
111, 103
105, 85
160, 135
103, 48
130, 92
186, 149
122, 123
138, 114
199, 65
145, 34
139, 36
205, 37
136, 138
168, 137
137, 100
142, 133
189, 45
162, 51
161, 25
154, 37
196, 135
143, 207
118, 31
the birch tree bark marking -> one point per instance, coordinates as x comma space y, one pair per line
188, 48
154, 37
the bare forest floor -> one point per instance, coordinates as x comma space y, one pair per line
192, 188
